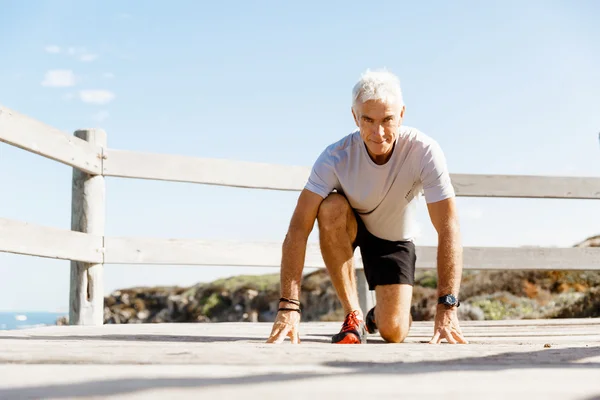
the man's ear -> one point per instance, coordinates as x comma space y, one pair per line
354, 115
401, 115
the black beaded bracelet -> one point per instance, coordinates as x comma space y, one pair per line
290, 309
295, 302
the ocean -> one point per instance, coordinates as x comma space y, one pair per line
24, 319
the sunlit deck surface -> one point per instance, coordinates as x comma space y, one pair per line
548, 359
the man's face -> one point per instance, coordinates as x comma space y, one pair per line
379, 124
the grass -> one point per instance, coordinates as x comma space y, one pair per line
257, 282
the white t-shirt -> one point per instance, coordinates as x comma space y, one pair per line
385, 196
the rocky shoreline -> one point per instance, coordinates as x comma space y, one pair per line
485, 295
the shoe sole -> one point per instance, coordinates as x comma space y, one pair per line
349, 339
352, 338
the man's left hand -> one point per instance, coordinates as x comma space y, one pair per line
447, 327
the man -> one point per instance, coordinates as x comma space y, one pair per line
363, 190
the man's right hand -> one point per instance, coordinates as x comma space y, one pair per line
292, 263
286, 325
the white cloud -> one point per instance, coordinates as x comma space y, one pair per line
88, 57
108, 75
96, 96
53, 49
100, 116
59, 78
82, 54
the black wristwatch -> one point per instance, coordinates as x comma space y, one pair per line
449, 300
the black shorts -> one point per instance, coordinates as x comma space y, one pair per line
385, 262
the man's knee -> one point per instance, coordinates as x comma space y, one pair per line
333, 212
394, 330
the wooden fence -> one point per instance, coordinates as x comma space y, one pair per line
88, 248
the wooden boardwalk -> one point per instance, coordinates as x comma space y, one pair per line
552, 359
558, 359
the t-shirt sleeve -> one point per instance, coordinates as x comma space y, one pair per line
435, 176
323, 179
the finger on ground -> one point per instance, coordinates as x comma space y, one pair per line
293, 334
434, 339
448, 336
459, 337
278, 335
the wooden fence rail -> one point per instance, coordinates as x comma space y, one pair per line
131, 250
36, 137
88, 248
23, 238
132, 164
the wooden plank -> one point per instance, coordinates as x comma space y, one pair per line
526, 186
573, 323
28, 134
86, 298
34, 240
366, 297
209, 252
525, 334
518, 258
130, 164
132, 250
531, 331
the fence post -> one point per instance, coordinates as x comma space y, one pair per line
365, 296
86, 297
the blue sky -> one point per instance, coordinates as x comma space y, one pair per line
505, 87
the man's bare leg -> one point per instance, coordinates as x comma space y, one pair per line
392, 314
337, 231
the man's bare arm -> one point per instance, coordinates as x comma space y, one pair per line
294, 245
444, 218
292, 263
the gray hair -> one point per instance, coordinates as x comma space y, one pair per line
377, 85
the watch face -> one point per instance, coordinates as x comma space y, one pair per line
448, 299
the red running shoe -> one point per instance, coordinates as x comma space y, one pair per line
353, 331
